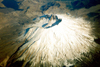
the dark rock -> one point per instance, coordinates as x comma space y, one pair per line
44, 7
92, 3
92, 14
77, 4
82, 3
27, 9
11, 4
48, 5
97, 40
16, 64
